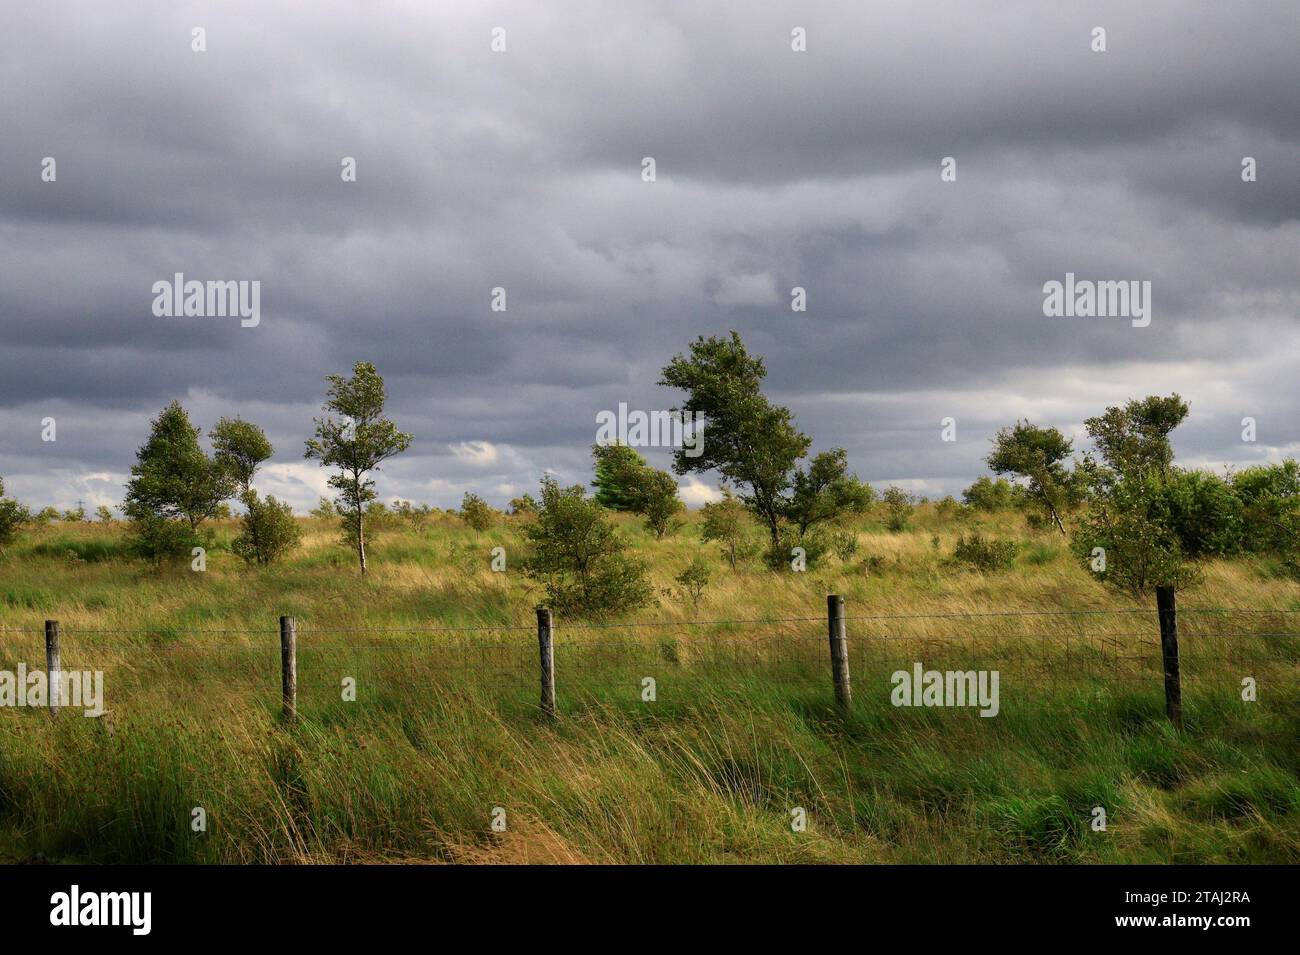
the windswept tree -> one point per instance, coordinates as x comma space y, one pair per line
175, 486
751, 442
268, 530
240, 447
826, 492
1134, 440
1038, 455
625, 482
356, 442
617, 477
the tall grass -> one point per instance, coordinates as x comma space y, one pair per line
742, 730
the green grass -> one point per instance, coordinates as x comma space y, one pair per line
743, 730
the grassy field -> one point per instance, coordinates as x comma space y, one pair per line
743, 729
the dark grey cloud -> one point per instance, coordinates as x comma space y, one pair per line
522, 170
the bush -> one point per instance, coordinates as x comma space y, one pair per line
985, 554
1200, 510
727, 522
269, 530
898, 509
993, 494
579, 557
814, 545
159, 539
475, 512
694, 579
324, 509
12, 516
845, 545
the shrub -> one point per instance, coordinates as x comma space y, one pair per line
694, 579
845, 545
579, 557
324, 509
269, 530
656, 500
727, 522
993, 494
898, 508
985, 554
523, 506
12, 516
104, 514
475, 512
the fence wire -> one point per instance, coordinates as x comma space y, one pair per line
1033, 651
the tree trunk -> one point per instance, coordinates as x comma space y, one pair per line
1057, 518
361, 538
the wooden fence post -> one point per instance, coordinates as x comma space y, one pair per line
1167, 609
546, 650
289, 667
839, 650
53, 668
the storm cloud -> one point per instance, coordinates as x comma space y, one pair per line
522, 170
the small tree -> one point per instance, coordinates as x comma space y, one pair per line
523, 506
173, 483
240, 447
324, 509
12, 517
579, 557
898, 508
270, 530
657, 501
694, 579
618, 476
75, 515
357, 444
1038, 455
825, 491
727, 522
475, 512
104, 514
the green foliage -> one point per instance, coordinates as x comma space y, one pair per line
727, 522
898, 508
356, 442
269, 531
748, 440
618, 476
45, 516
825, 491
239, 446
845, 544
523, 506
579, 557
1269, 496
984, 553
75, 515
12, 517
174, 487
475, 512
104, 514
994, 494
1038, 455
1139, 549
694, 579
324, 509
1134, 440
657, 501
1199, 509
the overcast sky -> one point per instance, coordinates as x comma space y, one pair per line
523, 169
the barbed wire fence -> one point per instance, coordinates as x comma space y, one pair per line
536, 668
